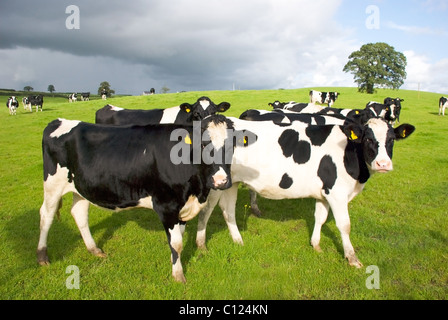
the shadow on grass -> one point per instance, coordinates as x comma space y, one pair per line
275, 210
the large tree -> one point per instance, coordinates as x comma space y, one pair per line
105, 86
377, 64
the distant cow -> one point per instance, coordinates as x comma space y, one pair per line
152, 91
85, 96
328, 98
26, 104
72, 97
443, 104
37, 101
329, 163
104, 94
12, 104
121, 167
185, 113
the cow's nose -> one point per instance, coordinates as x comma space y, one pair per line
383, 165
220, 182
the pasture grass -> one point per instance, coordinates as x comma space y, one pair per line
399, 222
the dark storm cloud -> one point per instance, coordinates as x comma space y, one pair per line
185, 44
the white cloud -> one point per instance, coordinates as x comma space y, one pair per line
421, 72
416, 30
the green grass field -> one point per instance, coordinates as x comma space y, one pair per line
399, 222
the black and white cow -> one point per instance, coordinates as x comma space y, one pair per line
443, 104
85, 96
12, 104
329, 163
328, 98
26, 104
296, 107
183, 114
121, 167
73, 97
285, 117
104, 94
37, 101
395, 108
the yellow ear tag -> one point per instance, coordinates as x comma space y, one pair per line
187, 110
187, 139
403, 134
245, 140
357, 112
353, 136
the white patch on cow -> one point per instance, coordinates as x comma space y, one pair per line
204, 104
170, 114
382, 161
114, 108
65, 127
190, 209
217, 133
145, 202
144, 151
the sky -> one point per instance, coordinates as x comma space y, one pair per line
196, 45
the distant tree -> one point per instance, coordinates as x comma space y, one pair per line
28, 88
105, 86
377, 64
164, 89
51, 88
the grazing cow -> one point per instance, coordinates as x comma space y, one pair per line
323, 97
121, 167
296, 107
104, 94
183, 114
329, 163
152, 91
12, 104
286, 117
443, 104
72, 97
37, 101
85, 96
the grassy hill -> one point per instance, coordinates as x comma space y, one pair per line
399, 222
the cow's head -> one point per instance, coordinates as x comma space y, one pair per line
393, 107
219, 138
202, 108
377, 139
277, 104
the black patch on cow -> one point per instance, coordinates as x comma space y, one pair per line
354, 162
286, 181
327, 173
292, 146
318, 134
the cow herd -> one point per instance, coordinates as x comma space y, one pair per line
28, 102
183, 161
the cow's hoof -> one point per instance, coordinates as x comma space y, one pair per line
42, 257
354, 262
98, 252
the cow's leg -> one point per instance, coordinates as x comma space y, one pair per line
253, 203
204, 215
175, 240
80, 212
320, 216
227, 202
339, 206
51, 205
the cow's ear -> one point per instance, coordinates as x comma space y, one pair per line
185, 107
353, 132
223, 106
403, 131
270, 104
